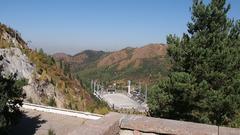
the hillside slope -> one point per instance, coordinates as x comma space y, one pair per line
46, 82
133, 56
146, 64
80, 60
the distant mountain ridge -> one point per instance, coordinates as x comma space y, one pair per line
134, 56
84, 57
122, 58
127, 63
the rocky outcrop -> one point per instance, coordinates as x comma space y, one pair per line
35, 91
47, 82
11, 36
14, 61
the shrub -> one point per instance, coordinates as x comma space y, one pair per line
52, 102
51, 132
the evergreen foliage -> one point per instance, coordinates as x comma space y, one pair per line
11, 98
204, 83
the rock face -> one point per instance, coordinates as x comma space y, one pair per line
36, 90
47, 82
14, 61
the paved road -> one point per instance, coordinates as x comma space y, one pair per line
38, 123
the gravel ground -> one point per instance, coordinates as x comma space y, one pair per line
38, 123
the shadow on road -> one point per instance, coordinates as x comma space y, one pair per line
27, 125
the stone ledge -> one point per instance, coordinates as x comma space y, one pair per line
229, 131
166, 126
115, 123
108, 125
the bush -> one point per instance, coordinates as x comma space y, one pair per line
51, 132
52, 102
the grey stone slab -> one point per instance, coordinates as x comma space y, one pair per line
165, 126
131, 132
229, 131
108, 125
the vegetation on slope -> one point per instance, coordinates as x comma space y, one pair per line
75, 95
146, 64
204, 83
80, 60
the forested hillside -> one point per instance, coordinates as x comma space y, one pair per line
145, 64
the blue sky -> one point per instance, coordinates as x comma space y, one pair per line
74, 25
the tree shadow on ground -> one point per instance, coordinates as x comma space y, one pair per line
27, 125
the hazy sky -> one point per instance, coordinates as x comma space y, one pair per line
74, 25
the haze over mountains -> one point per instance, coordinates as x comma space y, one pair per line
129, 63
86, 56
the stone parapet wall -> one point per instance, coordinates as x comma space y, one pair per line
142, 125
122, 124
108, 125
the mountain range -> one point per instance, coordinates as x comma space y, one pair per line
145, 64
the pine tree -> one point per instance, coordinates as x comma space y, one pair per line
204, 84
11, 98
